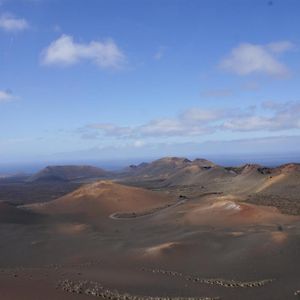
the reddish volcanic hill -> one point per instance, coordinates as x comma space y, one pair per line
102, 198
226, 211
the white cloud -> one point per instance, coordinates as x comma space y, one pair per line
199, 122
279, 117
162, 127
64, 51
13, 24
249, 58
6, 96
250, 123
192, 122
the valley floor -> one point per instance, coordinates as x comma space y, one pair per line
209, 247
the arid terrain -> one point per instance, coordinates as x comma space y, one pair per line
170, 229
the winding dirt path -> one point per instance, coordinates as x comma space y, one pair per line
133, 215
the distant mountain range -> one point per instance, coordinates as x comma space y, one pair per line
169, 171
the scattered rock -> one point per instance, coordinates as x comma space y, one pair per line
96, 289
212, 281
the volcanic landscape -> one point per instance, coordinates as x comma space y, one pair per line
171, 229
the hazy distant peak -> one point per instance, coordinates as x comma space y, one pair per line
69, 172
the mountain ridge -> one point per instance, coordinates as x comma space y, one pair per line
69, 172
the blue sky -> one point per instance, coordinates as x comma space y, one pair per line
120, 79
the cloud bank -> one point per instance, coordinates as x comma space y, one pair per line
269, 117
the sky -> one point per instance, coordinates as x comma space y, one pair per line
116, 80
